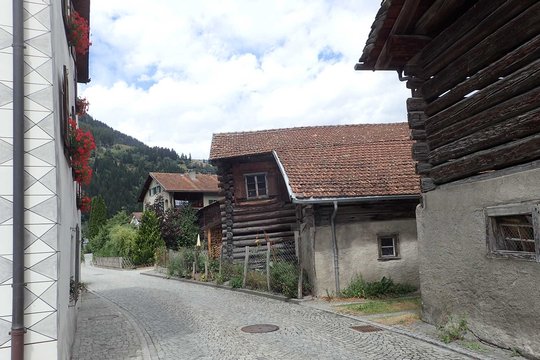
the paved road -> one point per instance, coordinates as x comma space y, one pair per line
131, 316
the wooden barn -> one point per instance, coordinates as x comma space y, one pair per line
473, 67
339, 199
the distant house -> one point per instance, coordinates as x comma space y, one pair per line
176, 190
342, 198
136, 218
40, 221
473, 68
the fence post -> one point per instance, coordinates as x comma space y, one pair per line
246, 261
206, 269
300, 267
120, 262
220, 257
268, 265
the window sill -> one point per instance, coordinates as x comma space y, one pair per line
389, 258
512, 255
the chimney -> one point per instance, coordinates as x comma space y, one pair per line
192, 175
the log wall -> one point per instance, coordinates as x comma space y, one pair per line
475, 104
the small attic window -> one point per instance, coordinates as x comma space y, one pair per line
513, 231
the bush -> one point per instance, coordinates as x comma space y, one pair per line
284, 278
385, 287
177, 266
256, 280
454, 329
148, 239
236, 282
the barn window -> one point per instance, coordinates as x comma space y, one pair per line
513, 232
388, 246
256, 185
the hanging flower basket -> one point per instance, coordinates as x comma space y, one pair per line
78, 33
81, 145
83, 201
81, 106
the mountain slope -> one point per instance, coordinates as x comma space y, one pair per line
121, 164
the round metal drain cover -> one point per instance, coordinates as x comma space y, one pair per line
259, 328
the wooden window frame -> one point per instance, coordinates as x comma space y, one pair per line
493, 232
256, 187
395, 238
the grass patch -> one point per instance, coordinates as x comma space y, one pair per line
383, 306
454, 329
403, 319
473, 345
358, 288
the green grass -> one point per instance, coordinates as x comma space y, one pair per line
383, 306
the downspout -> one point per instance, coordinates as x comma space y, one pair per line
17, 323
334, 248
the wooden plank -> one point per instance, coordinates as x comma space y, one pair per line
427, 184
420, 151
406, 46
516, 152
423, 168
262, 229
255, 242
437, 13
417, 134
515, 128
416, 119
261, 223
486, 50
513, 85
415, 104
265, 215
506, 65
467, 31
502, 111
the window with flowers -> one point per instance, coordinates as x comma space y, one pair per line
80, 148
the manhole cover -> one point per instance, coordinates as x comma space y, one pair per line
366, 328
259, 328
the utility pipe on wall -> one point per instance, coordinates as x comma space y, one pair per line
334, 247
17, 323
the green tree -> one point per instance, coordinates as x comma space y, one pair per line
188, 227
98, 216
148, 239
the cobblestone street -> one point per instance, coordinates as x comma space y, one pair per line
130, 316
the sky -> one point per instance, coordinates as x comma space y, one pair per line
173, 72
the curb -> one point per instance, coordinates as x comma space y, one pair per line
245, 291
415, 336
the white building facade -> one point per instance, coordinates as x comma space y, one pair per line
51, 217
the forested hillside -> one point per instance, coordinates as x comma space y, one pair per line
121, 164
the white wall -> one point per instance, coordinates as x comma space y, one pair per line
358, 251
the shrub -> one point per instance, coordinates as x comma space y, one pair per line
256, 280
454, 329
284, 278
177, 266
236, 282
148, 239
385, 287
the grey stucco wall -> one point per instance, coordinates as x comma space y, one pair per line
359, 253
500, 298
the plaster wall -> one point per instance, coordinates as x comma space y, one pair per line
207, 198
149, 200
50, 210
499, 298
358, 253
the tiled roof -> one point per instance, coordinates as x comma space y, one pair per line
186, 182
355, 170
333, 161
227, 145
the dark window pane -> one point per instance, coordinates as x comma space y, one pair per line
387, 251
387, 241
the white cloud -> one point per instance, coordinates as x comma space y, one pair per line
171, 73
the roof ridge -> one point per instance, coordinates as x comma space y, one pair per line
309, 127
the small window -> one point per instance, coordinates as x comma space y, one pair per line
388, 246
256, 186
513, 232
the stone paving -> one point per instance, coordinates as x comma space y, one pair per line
164, 319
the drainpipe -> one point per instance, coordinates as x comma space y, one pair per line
17, 323
334, 247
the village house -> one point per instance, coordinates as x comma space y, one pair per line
474, 71
177, 190
39, 216
341, 198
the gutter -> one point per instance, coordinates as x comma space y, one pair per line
334, 248
17, 323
